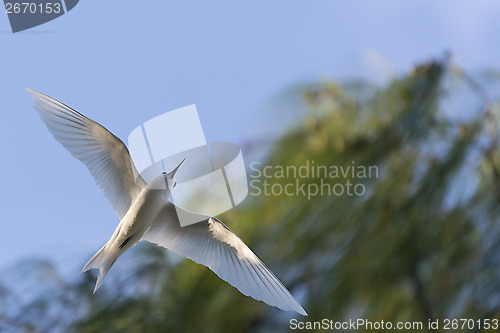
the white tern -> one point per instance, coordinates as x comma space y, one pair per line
146, 213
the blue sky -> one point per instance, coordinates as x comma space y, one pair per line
122, 63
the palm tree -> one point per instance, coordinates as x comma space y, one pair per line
399, 223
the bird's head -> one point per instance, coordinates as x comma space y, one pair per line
165, 181
170, 177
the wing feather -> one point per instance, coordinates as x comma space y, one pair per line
105, 155
214, 245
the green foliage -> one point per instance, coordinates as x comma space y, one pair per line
422, 242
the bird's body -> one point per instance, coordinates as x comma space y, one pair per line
132, 226
146, 213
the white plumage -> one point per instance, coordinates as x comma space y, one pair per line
146, 212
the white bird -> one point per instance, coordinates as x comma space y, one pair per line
146, 213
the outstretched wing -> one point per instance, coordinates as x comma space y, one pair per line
106, 156
214, 245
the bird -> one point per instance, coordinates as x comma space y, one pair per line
146, 213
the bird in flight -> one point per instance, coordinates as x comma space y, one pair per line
146, 213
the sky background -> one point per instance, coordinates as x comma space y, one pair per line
122, 63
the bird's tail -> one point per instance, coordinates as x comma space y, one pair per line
103, 261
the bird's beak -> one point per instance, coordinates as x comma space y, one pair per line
171, 174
